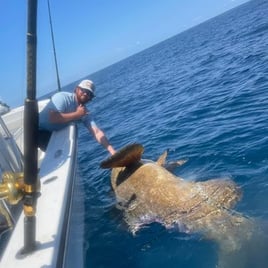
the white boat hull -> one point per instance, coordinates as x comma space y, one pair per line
57, 176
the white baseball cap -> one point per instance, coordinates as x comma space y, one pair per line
89, 85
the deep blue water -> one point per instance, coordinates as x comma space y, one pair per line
202, 94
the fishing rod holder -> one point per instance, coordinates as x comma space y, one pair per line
13, 189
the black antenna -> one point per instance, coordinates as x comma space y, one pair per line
54, 48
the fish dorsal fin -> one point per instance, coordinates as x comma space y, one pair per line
126, 156
162, 159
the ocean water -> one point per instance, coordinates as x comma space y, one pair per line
203, 95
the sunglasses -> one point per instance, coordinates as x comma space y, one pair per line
87, 92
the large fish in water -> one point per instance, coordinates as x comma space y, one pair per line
148, 192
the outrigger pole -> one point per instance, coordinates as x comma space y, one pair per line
54, 47
31, 134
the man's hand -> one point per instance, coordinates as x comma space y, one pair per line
81, 111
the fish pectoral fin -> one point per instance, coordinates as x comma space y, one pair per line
126, 156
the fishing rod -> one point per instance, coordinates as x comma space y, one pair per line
30, 134
31, 121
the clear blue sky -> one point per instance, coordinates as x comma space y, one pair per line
90, 35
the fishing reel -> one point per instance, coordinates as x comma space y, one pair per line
12, 187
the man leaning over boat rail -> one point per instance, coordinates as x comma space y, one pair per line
64, 108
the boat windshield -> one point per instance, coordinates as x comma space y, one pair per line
10, 161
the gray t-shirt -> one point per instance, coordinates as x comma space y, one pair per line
62, 102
